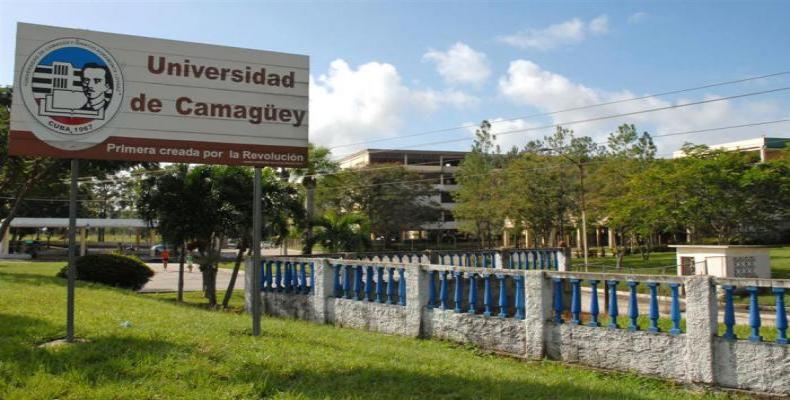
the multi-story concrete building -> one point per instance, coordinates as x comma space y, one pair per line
441, 165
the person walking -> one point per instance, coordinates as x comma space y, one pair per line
165, 257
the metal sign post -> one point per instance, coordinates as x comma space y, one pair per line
256, 253
72, 270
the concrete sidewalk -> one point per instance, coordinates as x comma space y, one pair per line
167, 281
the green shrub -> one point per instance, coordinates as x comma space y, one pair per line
112, 269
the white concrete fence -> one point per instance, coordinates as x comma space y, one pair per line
536, 314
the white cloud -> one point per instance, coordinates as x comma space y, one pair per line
599, 25
565, 33
527, 84
637, 17
460, 64
350, 105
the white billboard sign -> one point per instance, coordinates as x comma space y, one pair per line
86, 94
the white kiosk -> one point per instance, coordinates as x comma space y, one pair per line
725, 261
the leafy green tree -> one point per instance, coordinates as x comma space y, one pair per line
222, 194
727, 195
538, 193
318, 164
343, 232
391, 197
478, 208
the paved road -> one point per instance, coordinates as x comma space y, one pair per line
167, 281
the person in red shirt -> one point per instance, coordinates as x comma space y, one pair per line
165, 257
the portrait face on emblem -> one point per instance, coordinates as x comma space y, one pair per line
72, 87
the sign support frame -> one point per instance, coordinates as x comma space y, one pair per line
256, 253
72, 270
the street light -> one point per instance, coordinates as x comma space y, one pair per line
580, 165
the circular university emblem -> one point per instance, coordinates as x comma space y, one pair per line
73, 88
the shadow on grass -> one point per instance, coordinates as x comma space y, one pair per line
36, 279
376, 383
104, 358
196, 300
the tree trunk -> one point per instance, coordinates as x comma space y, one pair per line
181, 259
210, 283
307, 247
232, 283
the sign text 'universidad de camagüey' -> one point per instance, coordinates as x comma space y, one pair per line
87, 94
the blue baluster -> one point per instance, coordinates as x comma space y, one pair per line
613, 311
558, 300
444, 291
347, 275
432, 275
518, 260
278, 277
269, 276
369, 283
487, 295
380, 285
754, 315
502, 296
729, 312
556, 261
781, 315
338, 287
294, 278
520, 312
674, 309
312, 279
548, 260
542, 260
402, 287
633, 307
357, 282
493, 260
594, 311
653, 307
303, 278
459, 289
576, 301
289, 277
391, 286
472, 293
263, 275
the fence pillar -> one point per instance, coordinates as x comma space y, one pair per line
416, 298
536, 296
323, 281
4, 244
563, 258
701, 327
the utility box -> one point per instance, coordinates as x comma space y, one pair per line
725, 261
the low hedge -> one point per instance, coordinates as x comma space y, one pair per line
112, 269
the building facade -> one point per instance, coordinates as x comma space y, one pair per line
430, 164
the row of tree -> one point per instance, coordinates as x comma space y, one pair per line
557, 183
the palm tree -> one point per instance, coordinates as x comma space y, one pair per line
343, 232
318, 163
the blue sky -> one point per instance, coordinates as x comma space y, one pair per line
389, 69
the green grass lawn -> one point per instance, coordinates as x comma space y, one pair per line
173, 351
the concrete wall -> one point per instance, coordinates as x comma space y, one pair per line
697, 355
